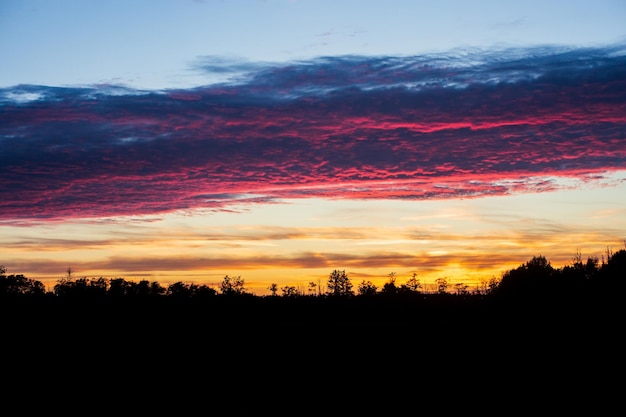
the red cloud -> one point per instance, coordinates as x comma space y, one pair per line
293, 133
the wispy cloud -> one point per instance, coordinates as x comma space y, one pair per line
463, 124
453, 250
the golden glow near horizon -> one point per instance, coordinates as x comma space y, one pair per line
467, 241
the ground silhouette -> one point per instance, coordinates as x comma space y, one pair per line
540, 330
533, 300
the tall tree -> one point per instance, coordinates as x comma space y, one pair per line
412, 285
390, 287
339, 284
442, 285
273, 288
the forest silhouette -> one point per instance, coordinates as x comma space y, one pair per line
537, 327
533, 293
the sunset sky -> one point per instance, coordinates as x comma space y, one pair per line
277, 140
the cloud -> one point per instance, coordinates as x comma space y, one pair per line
462, 124
307, 260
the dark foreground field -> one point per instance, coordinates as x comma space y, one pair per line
246, 327
544, 341
263, 354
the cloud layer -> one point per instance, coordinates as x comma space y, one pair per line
464, 124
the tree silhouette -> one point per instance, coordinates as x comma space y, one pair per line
366, 288
81, 287
178, 290
532, 277
149, 289
613, 273
339, 284
19, 285
182, 290
118, 287
461, 289
390, 288
412, 285
442, 285
289, 291
232, 286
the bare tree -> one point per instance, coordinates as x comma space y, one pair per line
412, 285
273, 288
289, 291
442, 285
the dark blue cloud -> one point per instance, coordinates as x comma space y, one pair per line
440, 126
453, 69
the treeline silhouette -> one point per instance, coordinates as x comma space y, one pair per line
534, 326
535, 280
531, 292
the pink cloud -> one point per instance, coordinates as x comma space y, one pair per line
337, 128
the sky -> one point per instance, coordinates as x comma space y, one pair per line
277, 140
